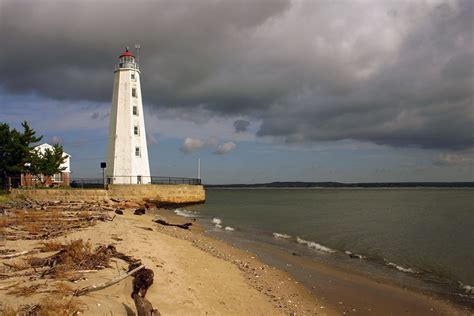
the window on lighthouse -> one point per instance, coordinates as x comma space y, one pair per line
135, 110
137, 151
134, 92
136, 131
133, 76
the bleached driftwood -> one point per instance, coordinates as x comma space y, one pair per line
100, 286
16, 254
9, 286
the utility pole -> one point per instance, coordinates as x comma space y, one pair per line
199, 168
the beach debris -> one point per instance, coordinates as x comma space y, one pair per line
29, 219
139, 211
116, 238
145, 228
100, 286
75, 259
165, 223
17, 254
143, 279
144, 307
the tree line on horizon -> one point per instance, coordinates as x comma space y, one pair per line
18, 155
329, 184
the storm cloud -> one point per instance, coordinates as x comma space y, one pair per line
241, 126
397, 73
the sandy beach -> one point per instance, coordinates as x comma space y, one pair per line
197, 275
191, 275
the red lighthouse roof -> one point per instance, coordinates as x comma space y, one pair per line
126, 54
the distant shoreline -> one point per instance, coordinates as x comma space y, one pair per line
339, 185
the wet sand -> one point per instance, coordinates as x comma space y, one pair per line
349, 292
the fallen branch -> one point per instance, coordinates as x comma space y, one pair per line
165, 223
97, 287
23, 273
86, 271
9, 286
107, 208
17, 254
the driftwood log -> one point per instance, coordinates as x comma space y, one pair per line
165, 223
142, 280
144, 307
100, 286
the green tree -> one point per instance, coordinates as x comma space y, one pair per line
47, 163
16, 148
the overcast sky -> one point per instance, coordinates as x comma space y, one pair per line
260, 90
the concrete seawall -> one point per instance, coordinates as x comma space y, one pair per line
172, 193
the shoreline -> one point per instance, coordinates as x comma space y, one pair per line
286, 294
196, 274
338, 285
338, 188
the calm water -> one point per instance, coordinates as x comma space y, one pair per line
425, 233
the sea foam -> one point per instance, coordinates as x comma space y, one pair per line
217, 222
186, 213
283, 236
228, 228
354, 255
399, 268
315, 246
467, 288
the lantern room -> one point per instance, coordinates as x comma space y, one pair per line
127, 60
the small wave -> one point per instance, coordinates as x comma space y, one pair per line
313, 245
186, 213
284, 236
400, 268
354, 255
228, 228
217, 222
468, 289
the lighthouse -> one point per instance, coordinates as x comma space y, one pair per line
127, 153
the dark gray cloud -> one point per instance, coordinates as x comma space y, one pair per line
241, 126
398, 73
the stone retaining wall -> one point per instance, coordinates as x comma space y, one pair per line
172, 193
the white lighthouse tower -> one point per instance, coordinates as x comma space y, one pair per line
127, 153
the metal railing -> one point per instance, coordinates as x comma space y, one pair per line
9, 182
151, 180
127, 65
86, 183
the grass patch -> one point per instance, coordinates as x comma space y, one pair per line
4, 196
